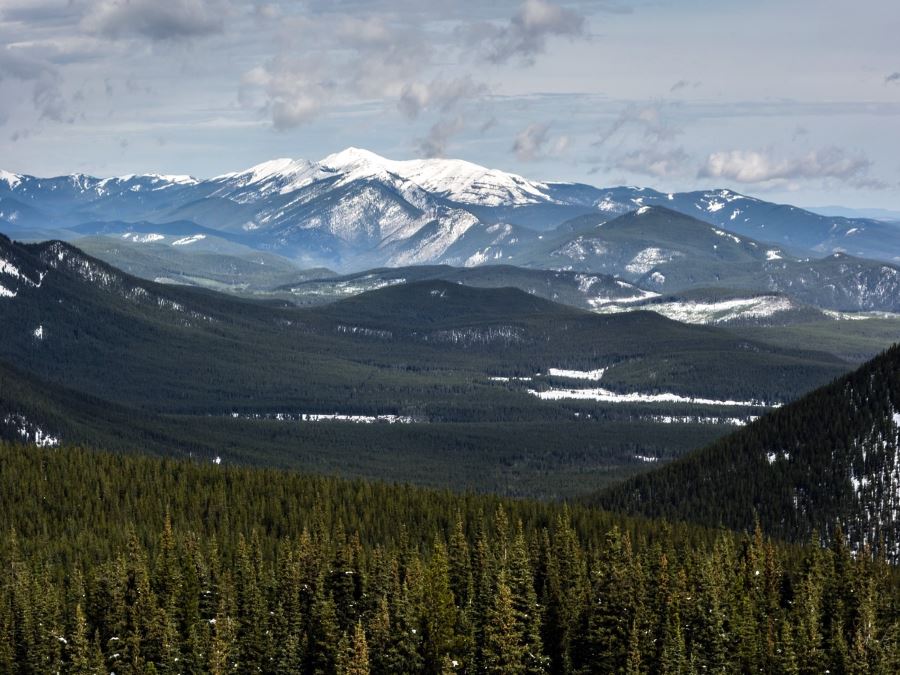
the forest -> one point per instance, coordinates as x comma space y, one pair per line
132, 564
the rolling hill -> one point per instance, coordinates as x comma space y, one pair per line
492, 375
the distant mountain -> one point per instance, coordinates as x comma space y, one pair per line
666, 251
71, 319
845, 212
201, 260
586, 291
833, 457
355, 209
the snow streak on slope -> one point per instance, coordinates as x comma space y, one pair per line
607, 396
713, 312
602, 395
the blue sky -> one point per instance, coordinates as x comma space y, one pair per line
794, 101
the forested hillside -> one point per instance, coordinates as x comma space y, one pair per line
833, 457
125, 564
89, 354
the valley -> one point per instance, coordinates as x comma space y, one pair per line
495, 388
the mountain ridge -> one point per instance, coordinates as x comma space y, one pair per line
355, 208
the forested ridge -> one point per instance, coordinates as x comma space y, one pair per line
831, 457
130, 564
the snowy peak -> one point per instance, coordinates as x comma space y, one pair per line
275, 176
454, 179
352, 157
11, 179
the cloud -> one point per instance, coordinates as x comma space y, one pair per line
439, 94
46, 94
893, 78
156, 20
526, 34
654, 161
289, 90
683, 84
435, 143
640, 139
750, 166
335, 58
650, 121
19, 65
534, 142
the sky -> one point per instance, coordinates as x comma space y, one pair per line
795, 101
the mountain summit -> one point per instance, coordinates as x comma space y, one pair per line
355, 208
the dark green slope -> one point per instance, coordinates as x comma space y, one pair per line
188, 359
832, 457
585, 291
136, 565
427, 304
185, 350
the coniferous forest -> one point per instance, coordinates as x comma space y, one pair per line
130, 564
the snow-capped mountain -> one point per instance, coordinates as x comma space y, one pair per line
355, 209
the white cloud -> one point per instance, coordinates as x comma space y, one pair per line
526, 34
654, 161
439, 94
751, 166
534, 142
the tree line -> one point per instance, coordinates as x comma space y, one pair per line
137, 565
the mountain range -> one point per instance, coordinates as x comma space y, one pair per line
355, 209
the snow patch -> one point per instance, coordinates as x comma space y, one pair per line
143, 238
723, 233
11, 179
184, 241
649, 258
332, 417
30, 432
577, 374
695, 419
607, 396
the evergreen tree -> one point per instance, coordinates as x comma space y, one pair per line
504, 653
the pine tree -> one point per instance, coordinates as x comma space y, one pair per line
786, 659
503, 650
83, 652
612, 608
359, 656
439, 617
324, 634
525, 604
